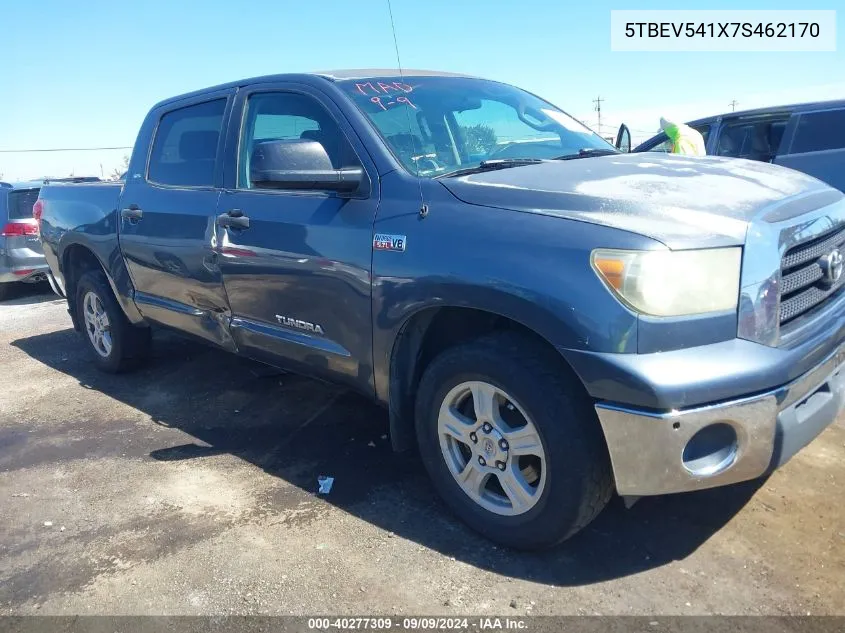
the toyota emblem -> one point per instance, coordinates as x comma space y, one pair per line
832, 265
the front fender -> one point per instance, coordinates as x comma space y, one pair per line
530, 268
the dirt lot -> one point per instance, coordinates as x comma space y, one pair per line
189, 488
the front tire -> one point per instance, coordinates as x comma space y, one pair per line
511, 442
115, 344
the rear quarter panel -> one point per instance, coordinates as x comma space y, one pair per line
86, 215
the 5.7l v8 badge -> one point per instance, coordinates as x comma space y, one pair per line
387, 242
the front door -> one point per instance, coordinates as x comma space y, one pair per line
167, 220
298, 276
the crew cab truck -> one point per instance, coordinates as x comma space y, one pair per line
547, 319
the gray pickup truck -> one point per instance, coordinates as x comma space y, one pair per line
546, 319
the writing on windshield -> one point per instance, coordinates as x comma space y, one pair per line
385, 94
438, 124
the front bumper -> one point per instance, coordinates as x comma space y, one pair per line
647, 449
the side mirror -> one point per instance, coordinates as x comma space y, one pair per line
623, 139
300, 164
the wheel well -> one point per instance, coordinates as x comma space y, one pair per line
76, 261
424, 337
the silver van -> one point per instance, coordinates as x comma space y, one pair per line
21, 257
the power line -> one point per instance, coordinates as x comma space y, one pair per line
61, 149
598, 101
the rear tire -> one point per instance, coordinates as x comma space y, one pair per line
535, 475
4, 291
115, 344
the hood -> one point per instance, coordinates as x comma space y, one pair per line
681, 201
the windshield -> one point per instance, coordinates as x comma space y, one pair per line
437, 125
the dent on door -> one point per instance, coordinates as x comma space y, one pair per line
298, 282
171, 257
296, 237
168, 229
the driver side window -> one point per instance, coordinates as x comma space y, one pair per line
290, 116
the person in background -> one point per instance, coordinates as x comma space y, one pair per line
684, 139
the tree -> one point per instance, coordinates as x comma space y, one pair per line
117, 172
480, 138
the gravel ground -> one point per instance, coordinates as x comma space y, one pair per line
189, 486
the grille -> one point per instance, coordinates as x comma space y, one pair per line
803, 286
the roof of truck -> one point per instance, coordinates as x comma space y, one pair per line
330, 75
361, 73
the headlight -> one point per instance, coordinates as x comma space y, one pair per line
672, 283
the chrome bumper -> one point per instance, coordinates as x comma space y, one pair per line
647, 449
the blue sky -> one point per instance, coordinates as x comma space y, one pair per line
84, 74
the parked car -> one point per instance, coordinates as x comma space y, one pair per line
809, 137
21, 257
545, 318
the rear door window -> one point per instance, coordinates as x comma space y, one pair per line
20, 203
756, 139
819, 131
185, 146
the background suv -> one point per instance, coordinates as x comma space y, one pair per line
809, 137
21, 257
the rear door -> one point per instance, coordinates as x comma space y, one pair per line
167, 230
298, 278
816, 146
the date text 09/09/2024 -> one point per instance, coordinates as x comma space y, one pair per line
418, 624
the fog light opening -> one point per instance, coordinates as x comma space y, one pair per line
711, 451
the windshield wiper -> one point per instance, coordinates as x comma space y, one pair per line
493, 164
588, 152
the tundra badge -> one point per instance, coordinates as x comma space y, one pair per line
299, 324
387, 242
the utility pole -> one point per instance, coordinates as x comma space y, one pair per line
598, 101
733, 105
